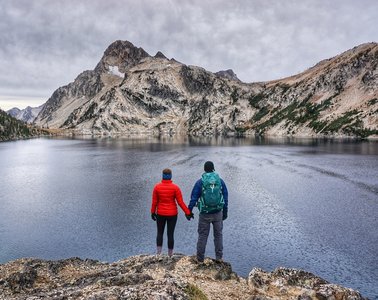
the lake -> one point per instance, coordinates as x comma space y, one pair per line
308, 204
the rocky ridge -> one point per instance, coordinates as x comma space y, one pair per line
131, 92
151, 277
229, 74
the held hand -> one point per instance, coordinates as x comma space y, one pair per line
190, 216
224, 215
153, 217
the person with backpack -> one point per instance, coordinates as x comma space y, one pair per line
210, 195
165, 197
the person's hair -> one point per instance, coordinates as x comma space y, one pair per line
167, 171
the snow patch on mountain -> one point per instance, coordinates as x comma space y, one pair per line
114, 70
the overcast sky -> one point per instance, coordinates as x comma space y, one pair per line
45, 44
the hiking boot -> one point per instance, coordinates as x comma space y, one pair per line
159, 257
199, 261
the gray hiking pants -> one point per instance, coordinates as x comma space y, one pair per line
203, 232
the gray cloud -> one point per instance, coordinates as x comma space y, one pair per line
45, 44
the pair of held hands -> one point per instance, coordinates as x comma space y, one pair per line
191, 216
188, 217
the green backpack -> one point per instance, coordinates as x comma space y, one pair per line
211, 199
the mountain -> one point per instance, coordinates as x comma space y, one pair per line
229, 74
13, 112
131, 92
27, 115
12, 128
158, 277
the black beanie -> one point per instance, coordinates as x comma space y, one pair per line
208, 167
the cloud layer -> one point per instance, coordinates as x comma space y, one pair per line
45, 44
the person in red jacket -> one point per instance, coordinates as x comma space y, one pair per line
165, 197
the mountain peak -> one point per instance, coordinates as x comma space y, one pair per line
160, 55
365, 46
229, 74
122, 54
13, 111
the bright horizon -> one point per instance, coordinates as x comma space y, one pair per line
9, 102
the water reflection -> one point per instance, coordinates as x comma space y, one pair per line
165, 143
338, 146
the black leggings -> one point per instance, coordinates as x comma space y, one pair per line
171, 224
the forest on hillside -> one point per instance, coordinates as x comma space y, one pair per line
12, 129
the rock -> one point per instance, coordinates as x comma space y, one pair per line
305, 285
160, 55
152, 277
22, 280
122, 54
229, 74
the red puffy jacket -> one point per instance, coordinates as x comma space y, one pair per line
164, 197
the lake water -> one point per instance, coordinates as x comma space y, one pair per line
295, 203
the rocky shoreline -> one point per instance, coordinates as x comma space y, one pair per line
20, 138
158, 277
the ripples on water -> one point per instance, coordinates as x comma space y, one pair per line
309, 204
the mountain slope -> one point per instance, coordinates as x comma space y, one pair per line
338, 95
130, 91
